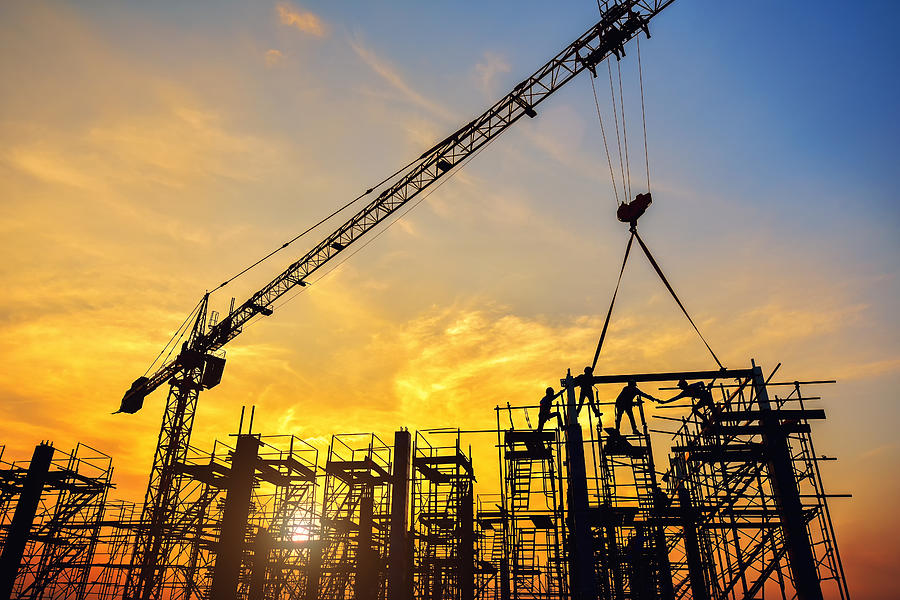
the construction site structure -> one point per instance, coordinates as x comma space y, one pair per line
200, 361
716, 500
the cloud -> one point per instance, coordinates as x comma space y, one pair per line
487, 71
389, 73
868, 370
302, 20
273, 57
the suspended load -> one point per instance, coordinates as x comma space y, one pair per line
630, 212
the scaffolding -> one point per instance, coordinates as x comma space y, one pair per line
355, 519
747, 479
532, 516
52, 533
721, 498
443, 520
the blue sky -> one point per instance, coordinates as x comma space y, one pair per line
149, 150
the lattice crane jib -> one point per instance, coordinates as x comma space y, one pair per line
199, 367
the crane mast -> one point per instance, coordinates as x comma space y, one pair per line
198, 367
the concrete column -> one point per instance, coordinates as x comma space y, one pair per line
581, 546
23, 518
235, 516
400, 555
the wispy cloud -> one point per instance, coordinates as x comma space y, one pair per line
387, 71
302, 20
273, 57
488, 69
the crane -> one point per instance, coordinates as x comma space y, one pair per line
199, 364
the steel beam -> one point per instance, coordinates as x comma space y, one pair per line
780, 466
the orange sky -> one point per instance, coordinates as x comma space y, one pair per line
146, 156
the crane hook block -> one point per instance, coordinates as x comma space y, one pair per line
133, 400
630, 212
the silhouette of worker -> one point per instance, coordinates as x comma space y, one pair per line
544, 413
627, 399
696, 391
586, 394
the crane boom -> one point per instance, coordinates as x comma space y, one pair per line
620, 22
197, 368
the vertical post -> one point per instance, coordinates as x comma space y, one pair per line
23, 518
467, 542
314, 574
581, 547
399, 556
235, 516
261, 546
693, 554
504, 519
366, 587
505, 575
787, 496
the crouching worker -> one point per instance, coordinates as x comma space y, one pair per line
544, 413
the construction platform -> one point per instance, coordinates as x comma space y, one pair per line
716, 495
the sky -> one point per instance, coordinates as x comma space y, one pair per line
148, 151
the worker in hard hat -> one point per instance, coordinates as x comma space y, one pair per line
695, 391
585, 383
544, 413
627, 399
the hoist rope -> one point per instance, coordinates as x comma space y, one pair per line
605, 146
421, 199
675, 296
178, 334
320, 222
624, 130
612, 92
613, 301
643, 111
662, 277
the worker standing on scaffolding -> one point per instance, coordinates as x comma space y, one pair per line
627, 399
586, 394
544, 413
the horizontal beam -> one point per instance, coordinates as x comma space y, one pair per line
675, 376
787, 414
